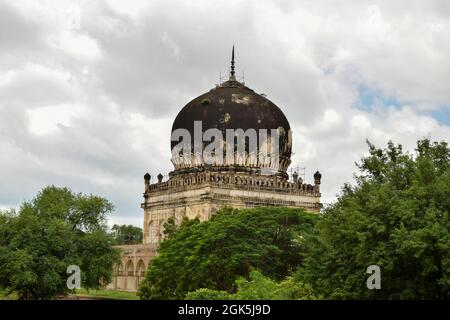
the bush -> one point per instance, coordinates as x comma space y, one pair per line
259, 287
208, 294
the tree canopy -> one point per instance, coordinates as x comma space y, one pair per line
56, 229
214, 253
126, 234
396, 216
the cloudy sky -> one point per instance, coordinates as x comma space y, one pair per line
89, 89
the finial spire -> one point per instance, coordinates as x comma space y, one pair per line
232, 64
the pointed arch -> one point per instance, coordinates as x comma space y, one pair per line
161, 230
153, 232
119, 269
129, 269
140, 268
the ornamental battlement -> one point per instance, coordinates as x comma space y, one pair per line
201, 194
241, 181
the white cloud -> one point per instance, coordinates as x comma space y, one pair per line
331, 117
80, 46
48, 119
36, 85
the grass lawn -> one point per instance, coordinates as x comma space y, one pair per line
4, 296
111, 294
107, 294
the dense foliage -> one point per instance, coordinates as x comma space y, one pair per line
396, 217
214, 253
56, 229
258, 287
126, 234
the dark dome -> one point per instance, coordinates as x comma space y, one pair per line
232, 105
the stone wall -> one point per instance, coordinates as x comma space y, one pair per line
132, 267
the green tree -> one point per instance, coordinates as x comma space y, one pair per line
56, 229
126, 234
212, 254
396, 217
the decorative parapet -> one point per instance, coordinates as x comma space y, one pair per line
134, 249
235, 181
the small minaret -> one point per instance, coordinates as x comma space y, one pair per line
317, 178
295, 177
147, 178
160, 178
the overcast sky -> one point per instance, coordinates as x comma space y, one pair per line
89, 89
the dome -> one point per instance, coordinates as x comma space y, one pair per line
232, 105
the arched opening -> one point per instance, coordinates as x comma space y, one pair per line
161, 230
140, 269
130, 268
119, 269
153, 234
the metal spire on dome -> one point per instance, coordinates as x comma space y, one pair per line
232, 65
232, 82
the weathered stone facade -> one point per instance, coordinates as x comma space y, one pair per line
199, 195
132, 267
